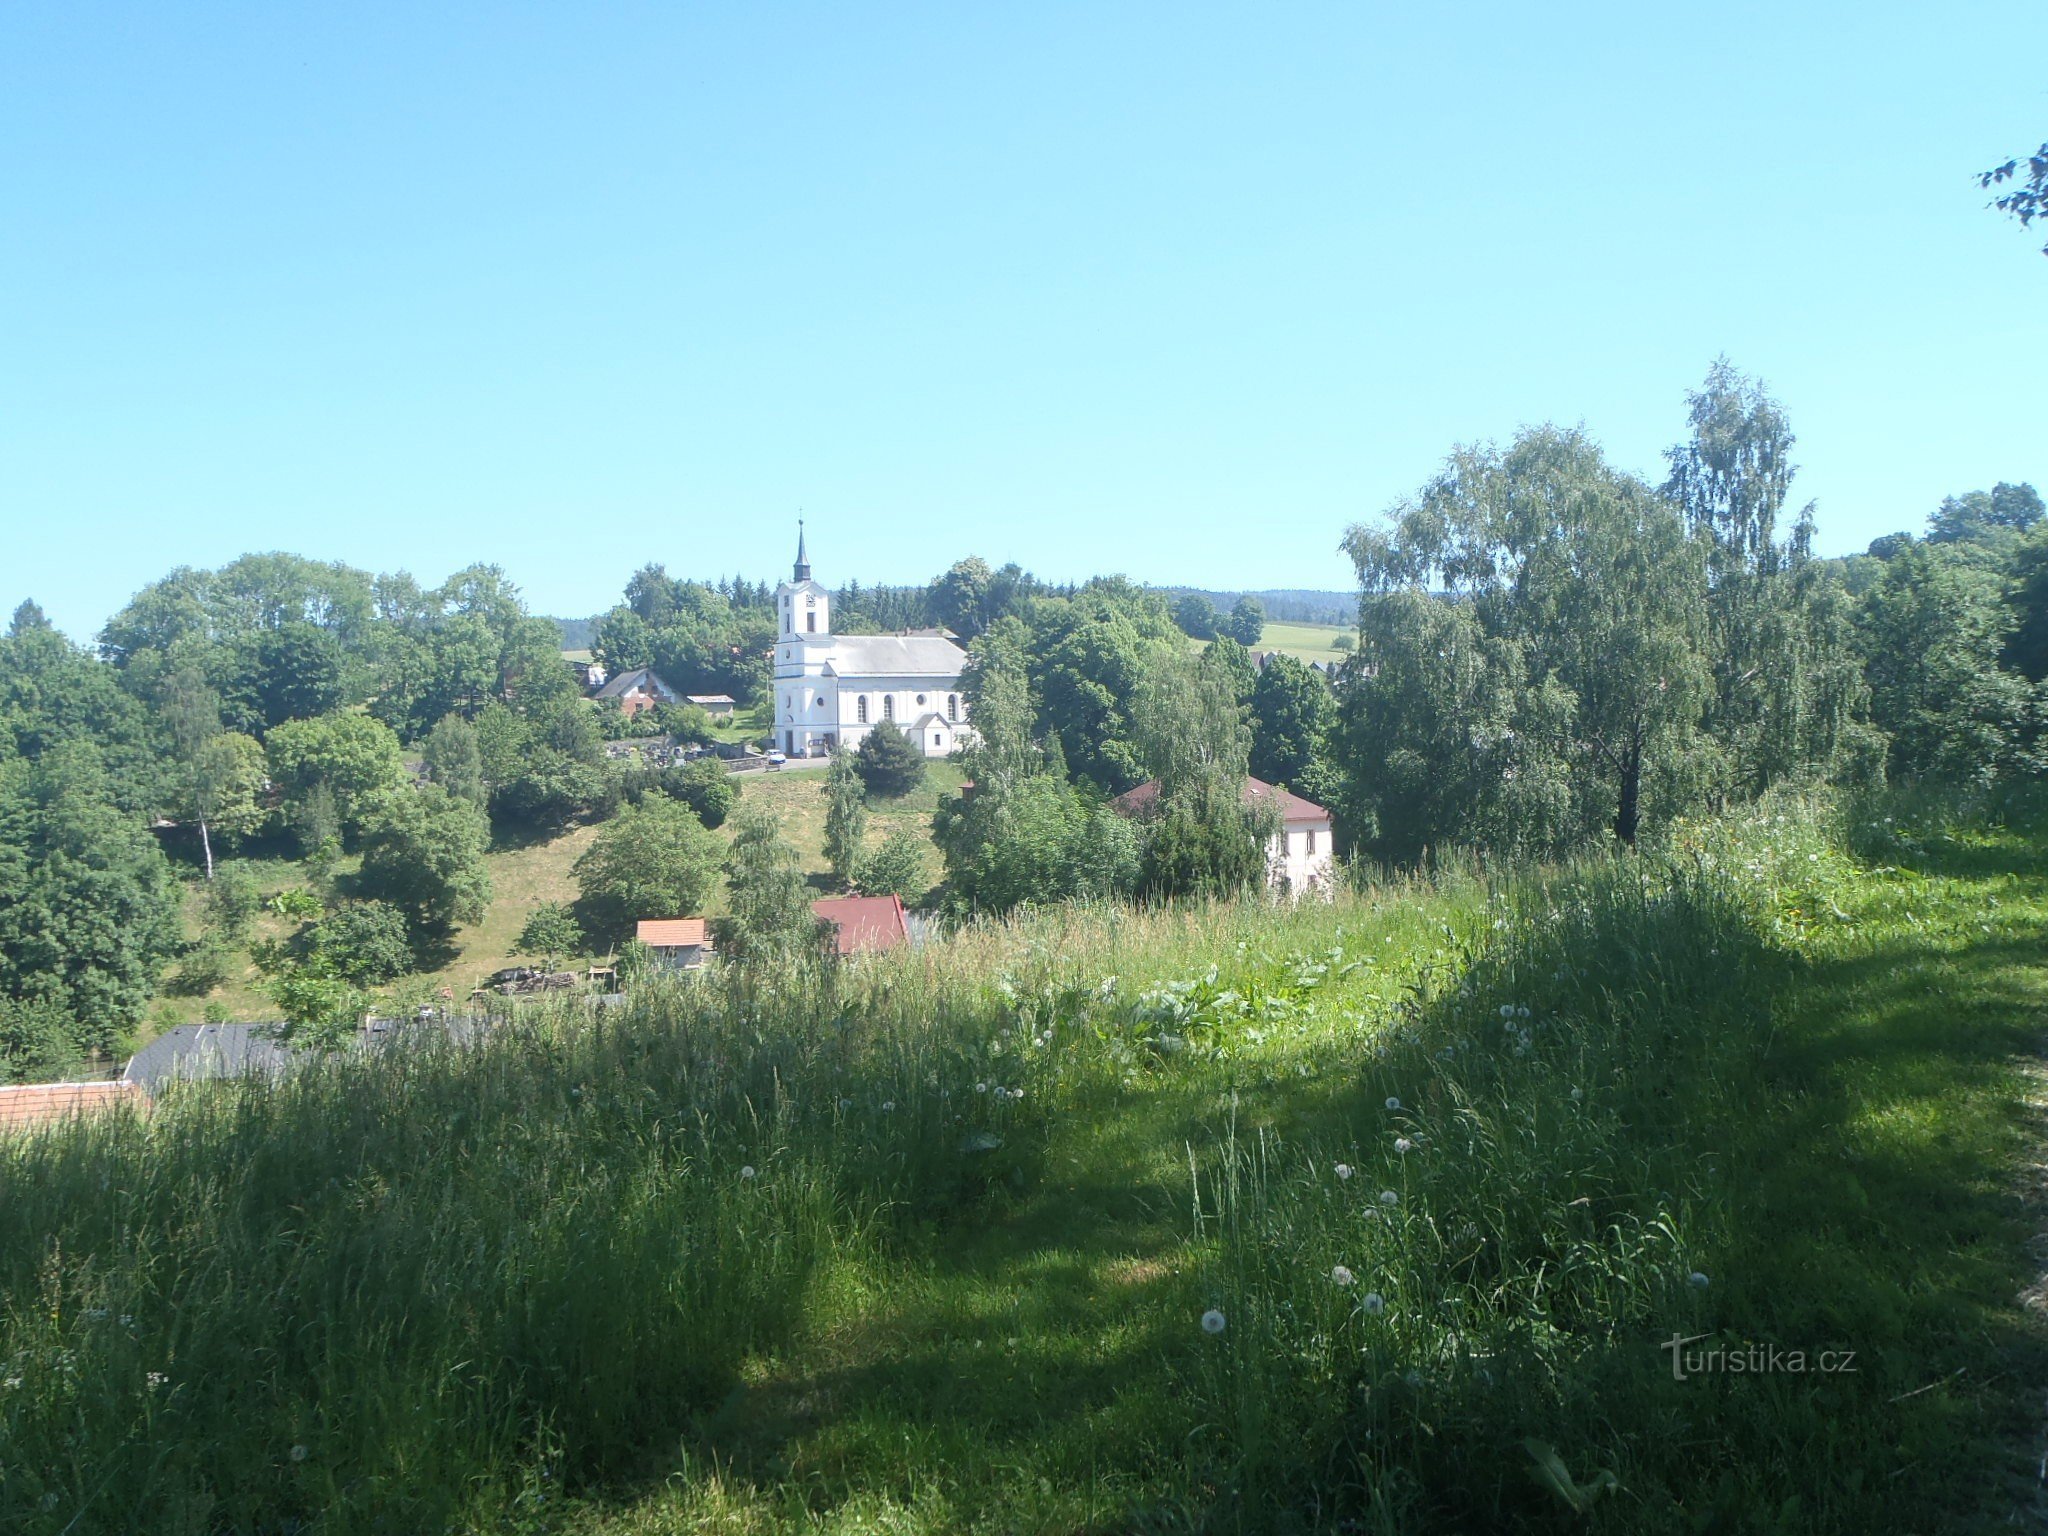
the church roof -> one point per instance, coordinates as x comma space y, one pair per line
895, 656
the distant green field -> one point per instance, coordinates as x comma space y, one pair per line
1311, 642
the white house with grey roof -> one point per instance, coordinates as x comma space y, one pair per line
832, 690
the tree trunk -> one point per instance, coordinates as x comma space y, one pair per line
1628, 812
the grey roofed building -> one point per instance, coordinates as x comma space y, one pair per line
644, 678
209, 1050
192, 1052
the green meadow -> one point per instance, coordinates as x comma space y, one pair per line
1376, 1215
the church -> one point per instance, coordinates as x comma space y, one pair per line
831, 690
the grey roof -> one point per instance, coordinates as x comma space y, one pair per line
194, 1051
208, 1050
620, 685
896, 656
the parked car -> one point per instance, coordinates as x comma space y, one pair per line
777, 759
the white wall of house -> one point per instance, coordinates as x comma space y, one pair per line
1300, 859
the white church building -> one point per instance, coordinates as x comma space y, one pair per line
832, 690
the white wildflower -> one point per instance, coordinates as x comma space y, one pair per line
1343, 1276
888, 1106
1343, 1170
1403, 1145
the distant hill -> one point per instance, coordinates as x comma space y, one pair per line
577, 634
1287, 605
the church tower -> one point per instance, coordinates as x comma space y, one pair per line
804, 606
806, 693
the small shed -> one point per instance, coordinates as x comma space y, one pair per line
717, 705
676, 943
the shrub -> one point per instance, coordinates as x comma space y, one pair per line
233, 898
889, 762
37, 1042
364, 943
704, 786
203, 968
896, 868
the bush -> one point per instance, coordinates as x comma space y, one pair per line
365, 943
889, 762
705, 787
37, 1042
233, 898
203, 968
894, 869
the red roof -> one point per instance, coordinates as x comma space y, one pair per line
1294, 811
862, 923
32, 1104
672, 932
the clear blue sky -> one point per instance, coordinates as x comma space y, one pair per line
1179, 290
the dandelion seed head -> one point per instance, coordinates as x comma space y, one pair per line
747, 1172
1697, 1280
1403, 1145
888, 1106
1343, 1170
1392, 1102
1388, 1197
1578, 1094
1507, 1010
1213, 1321
1343, 1276
299, 1453
1374, 1303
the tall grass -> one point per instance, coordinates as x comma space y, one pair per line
387, 1291
1451, 1159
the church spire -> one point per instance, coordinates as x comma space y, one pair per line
803, 564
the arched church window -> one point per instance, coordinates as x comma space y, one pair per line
811, 623
888, 706
952, 706
860, 709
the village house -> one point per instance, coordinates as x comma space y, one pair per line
863, 924
833, 690
676, 943
1301, 856
637, 689
719, 706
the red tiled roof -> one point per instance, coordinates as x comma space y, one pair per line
861, 923
1294, 811
672, 932
24, 1105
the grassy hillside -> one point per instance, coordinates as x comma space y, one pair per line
1311, 642
1375, 1215
526, 875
